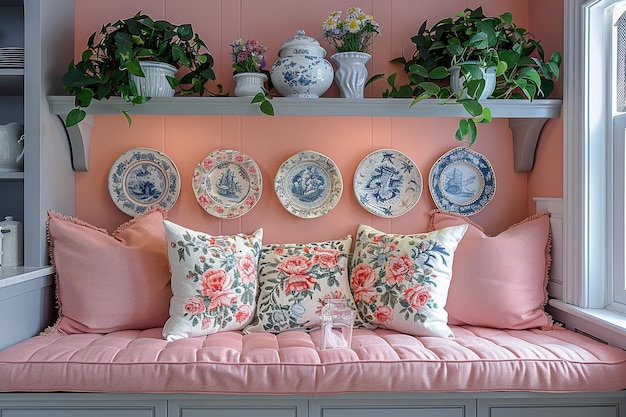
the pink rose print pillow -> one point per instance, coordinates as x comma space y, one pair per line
214, 281
400, 282
295, 280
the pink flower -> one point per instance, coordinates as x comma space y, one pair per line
247, 269
294, 265
417, 296
239, 158
195, 305
398, 268
279, 250
203, 200
206, 323
383, 314
217, 284
243, 313
299, 283
326, 258
362, 282
250, 201
207, 163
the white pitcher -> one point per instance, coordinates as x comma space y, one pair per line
11, 147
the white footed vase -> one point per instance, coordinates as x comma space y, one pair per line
351, 73
249, 84
155, 83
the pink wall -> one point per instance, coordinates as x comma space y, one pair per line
272, 140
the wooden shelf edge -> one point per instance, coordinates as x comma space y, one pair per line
526, 119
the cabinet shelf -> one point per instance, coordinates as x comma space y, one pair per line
11, 81
526, 119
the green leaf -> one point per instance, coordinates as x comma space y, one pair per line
501, 68
430, 89
267, 108
471, 132
439, 73
461, 132
185, 32
455, 50
74, 117
531, 74
134, 67
473, 107
374, 78
84, 97
419, 70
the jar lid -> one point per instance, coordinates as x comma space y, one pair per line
300, 44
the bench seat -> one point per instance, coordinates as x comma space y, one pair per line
476, 360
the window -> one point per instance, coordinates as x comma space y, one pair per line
594, 149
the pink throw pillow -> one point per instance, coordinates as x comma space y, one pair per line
499, 281
108, 282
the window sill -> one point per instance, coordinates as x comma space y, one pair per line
606, 325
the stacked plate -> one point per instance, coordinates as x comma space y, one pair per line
11, 57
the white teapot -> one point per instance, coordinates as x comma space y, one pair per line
11, 147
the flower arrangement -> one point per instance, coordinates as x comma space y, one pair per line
355, 33
248, 56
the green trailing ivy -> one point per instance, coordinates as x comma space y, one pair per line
522, 71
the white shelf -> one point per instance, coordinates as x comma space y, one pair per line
525, 118
12, 275
12, 176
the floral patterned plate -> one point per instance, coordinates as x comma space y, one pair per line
308, 184
462, 181
227, 183
142, 178
387, 183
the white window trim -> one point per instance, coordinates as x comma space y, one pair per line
586, 248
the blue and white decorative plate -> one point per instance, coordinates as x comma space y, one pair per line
462, 181
308, 184
142, 178
227, 183
387, 183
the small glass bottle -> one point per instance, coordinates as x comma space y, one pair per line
337, 321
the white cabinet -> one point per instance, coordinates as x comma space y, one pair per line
12, 103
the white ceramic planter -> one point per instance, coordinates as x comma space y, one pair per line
249, 84
155, 83
457, 80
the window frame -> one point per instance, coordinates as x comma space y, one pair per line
589, 195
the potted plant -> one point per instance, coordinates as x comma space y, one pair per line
468, 44
250, 74
115, 54
352, 38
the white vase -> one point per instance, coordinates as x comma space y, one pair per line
155, 83
457, 80
351, 73
248, 84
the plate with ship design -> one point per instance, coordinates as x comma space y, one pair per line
308, 184
142, 178
462, 181
227, 183
387, 183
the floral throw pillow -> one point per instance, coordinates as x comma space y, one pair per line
400, 282
295, 280
214, 281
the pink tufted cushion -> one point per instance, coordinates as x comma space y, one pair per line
499, 281
476, 359
110, 282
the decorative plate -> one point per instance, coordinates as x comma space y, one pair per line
308, 184
387, 183
227, 183
142, 178
462, 181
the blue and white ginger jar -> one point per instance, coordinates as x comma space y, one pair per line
302, 70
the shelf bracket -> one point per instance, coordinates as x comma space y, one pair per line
79, 137
526, 133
